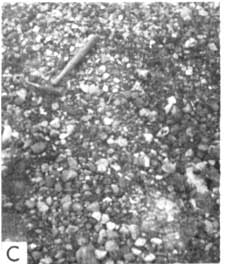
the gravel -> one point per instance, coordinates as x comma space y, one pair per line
123, 166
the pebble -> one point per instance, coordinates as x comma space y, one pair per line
156, 241
122, 142
38, 147
36, 255
148, 137
49, 200
144, 112
59, 254
101, 236
140, 242
168, 166
203, 13
115, 188
46, 260
164, 131
158, 177
68, 175
143, 74
212, 46
102, 69
190, 43
71, 229
30, 203
77, 207
209, 227
58, 187
55, 106
185, 13
134, 230
42, 207
105, 218
86, 255
111, 226
22, 94
124, 229
141, 159
112, 234
107, 121
66, 202
171, 102
136, 251
100, 254
109, 261
73, 164
97, 216
129, 257
116, 80
149, 258
93, 207
111, 246
105, 76
55, 123
102, 165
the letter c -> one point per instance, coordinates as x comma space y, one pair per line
8, 254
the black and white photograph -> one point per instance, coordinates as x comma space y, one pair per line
110, 132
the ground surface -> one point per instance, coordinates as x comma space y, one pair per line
124, 166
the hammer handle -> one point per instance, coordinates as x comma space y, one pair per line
76, 59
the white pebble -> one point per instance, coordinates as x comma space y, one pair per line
149, 258
111, 226
100, 254
140, 242
136, 251
148, 137
156, 241
55, 123
97, 216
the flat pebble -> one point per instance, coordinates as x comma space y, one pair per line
111, 246
149, 258
68, 175
58, 187
156, 241
111, 226
100, 254
148, 137
109, 261
134, 230
107, 121
136, 251
105, 76
38, 147
42, 207
102, 165
101, 236
36, 255
141, 159
93, 207
105, 218
73, 164
140, 242
46, 260
115, 188
97, 216
168, 166
55, 123
30, 203
86, 255
55, 106
164, 131
77, 207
